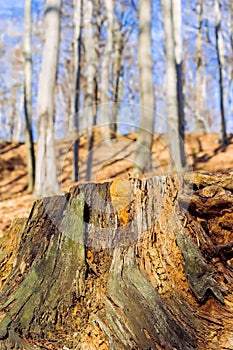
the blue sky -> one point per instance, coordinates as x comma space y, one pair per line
11, 7
11, 4
15, 7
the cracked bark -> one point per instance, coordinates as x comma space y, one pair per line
138, 264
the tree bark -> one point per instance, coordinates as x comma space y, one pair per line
137, 264
93, 58
200, 121
78, 14
105, 117
90, 62
28, 96
46, 181
117, 76
175, 115
230, 83
147, 98
220, 57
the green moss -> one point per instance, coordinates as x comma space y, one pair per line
3, 326
72, 225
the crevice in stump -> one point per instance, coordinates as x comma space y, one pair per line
123, 265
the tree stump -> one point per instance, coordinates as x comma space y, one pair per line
137, 264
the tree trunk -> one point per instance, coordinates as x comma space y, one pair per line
46, 181
94, 64
230, 77
90, 62
78, 14
105, 117
13, 119
117, 76
147, 98
138, 264
28, 96
230, 88
220, 57
92, 136
175, 115
177, 26
200, 122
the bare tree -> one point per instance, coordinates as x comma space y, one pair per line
28, 95
220, 57
231, 71
90, 61
78, 12
46, 181
200, 122
104, 100
147, 100
118, 45
173, 47
92, 30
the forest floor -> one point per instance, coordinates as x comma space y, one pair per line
202, 151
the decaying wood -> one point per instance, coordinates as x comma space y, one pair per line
9, 248
138, 264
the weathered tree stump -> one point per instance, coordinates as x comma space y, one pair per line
138, 264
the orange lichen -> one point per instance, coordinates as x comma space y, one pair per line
120, 192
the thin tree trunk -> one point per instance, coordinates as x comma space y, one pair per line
28, 95
131, 98
220, 57
231, 71
117, 76
46, 181
200, 123
96, 40
104, 100
92, 137
175, 115
78, 14
177, 25
19, 121
139, 264
147, 99
90, 63
14, 108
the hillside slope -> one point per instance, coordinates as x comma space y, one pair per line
203, 154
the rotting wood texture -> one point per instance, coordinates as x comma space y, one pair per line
143, 264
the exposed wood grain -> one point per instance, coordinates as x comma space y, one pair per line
162, 279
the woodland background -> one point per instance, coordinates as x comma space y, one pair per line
113, 61
198, 19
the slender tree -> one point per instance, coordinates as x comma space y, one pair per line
231, 68
220, 57
78, 12
28, 95
173, 47
146, 132
46, 181
200, 122
89, 60
118, 45
104, 100
92, 61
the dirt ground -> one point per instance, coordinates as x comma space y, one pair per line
202, 151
